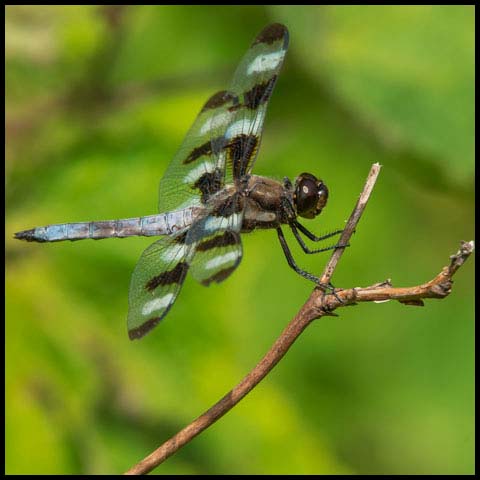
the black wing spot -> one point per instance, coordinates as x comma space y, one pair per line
218, 99
211, 146
176, 275
259, 93
144, 328
209, 183
205, 149
272, 33
219, 276
228, 238
241, 150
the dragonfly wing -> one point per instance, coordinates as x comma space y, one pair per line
252, 85
156, 282
219, 149
197, 170
218, 247
223, 141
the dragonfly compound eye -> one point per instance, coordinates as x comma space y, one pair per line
310, 195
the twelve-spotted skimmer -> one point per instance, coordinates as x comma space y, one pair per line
208, 195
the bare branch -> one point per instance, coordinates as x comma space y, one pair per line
352, 222
319, 304
439, 287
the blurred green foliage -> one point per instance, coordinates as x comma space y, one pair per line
97, 101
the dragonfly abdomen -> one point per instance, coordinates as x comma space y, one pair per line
168, 223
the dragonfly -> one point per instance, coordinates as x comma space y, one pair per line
208, 195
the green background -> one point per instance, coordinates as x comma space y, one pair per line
97, 101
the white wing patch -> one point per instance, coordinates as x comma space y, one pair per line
213, 224
157, 304
246, 125
264, 62
215, 122
175, 252
222, 259
196, 173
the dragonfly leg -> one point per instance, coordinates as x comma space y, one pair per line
294, 225
312, 236
333, 292
291, 261
326, 287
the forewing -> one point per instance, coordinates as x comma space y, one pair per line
156, 282
197, 169
223, 142
252, 85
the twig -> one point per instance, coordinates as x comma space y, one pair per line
352, 222
316, 306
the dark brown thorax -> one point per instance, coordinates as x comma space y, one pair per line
265, 203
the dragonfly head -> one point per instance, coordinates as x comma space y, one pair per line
310, 195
